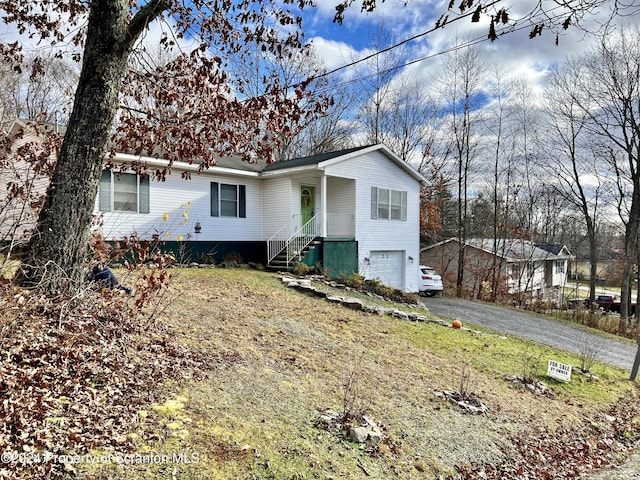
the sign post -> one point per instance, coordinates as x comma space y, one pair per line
636, 362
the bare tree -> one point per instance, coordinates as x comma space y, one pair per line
9, 81
288, 72
407, 119
528, 157
608, 79
334, 129
376, 83
574, 159
42, 91
497, 122
459, 85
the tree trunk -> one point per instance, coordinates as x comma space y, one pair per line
593, 260
58, 247
630, 244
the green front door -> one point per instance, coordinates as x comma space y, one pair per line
307, 202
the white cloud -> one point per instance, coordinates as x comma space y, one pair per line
514, 52
332, 53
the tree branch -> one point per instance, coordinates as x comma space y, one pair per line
144, 17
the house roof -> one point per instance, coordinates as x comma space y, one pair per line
311, 160
231, 164
322, 160
515, 249
237, 163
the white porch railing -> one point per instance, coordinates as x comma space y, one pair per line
294, 238
278, 241
291, 242
301, 239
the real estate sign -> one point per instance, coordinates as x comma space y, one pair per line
559, 371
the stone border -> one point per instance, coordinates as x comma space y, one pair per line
304, 285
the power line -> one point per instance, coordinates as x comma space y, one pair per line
403, 42
511, 29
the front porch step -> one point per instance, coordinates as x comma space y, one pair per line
280, 261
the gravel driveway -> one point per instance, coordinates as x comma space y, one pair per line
620, 353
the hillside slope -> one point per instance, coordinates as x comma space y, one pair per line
277, 359
279, 367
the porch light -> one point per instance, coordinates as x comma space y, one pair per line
198, 227
410, 259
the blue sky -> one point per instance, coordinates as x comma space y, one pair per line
337, 45
515, 53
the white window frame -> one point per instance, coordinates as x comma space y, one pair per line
109, 196
217, 201
388, 204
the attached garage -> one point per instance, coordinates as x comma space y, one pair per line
388, 267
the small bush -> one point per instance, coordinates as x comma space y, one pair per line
354, 280
530, 366
232, 259
354, 405
301, 269
207, 259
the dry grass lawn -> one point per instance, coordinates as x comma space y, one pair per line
276, 357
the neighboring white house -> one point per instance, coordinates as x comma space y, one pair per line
521, 265
356, 210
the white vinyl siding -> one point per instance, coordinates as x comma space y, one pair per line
341, 207
376, 170
178, 197
277, 204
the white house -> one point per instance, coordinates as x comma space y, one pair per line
356, 210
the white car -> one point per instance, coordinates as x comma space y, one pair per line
430, 282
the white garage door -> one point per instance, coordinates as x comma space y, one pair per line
388, 267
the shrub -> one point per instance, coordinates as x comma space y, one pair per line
232, 259
301, 269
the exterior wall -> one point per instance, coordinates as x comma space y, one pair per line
18, 215
341, 206
376, 170
559, 278
173, 195
277, 204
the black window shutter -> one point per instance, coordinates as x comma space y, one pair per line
242, 201
214, 200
